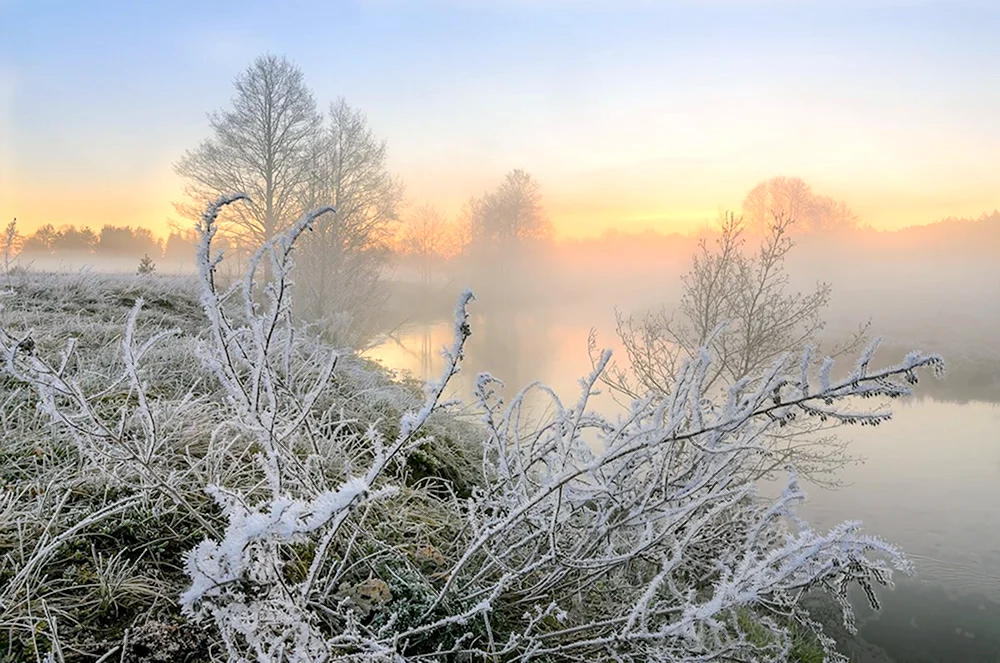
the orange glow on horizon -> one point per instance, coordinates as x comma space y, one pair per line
573, 216
147, 207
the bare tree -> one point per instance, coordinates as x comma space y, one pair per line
510, 215
258, 146
427, 238
465, 225
41, 241
829, 215
737, 305
343, 260
10, 244
791, 198
504, 226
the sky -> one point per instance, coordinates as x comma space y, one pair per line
633, 115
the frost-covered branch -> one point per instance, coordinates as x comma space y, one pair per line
636, 538
588, 506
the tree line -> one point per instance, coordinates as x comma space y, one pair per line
70, 240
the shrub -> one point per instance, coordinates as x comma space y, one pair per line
146, 266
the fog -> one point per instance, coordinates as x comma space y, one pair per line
935, 287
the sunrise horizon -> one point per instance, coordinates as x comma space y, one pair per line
570, 218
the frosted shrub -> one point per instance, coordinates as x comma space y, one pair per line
632, 539
635, 538
589, 538
740, 304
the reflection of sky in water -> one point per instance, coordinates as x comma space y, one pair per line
517, 350
929, 482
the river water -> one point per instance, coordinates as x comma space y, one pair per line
929, 481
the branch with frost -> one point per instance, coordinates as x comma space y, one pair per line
636, 538
274, 620
123, 443
279, 613
252, 357
643, 531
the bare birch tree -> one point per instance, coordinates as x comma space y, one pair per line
260, 146
427, 238
510, 215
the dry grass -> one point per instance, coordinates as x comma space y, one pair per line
113, 584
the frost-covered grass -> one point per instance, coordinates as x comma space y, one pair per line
196, 478
121, 574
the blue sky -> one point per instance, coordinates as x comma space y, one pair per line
631, 114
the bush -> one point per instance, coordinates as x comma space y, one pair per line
146, 266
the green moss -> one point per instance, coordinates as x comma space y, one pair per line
806, 648
439, 472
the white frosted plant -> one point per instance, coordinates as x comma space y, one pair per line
590, 538
252, 360
637, 536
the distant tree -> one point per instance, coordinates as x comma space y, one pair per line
260, 146
127, 241
146, 266
70, 239
428, 239
502, 228
793, 199
146, 242
465, 225
41, 241
788, 197
10, 245
829, 215
342, 261
510, 216
180, 246
115, 240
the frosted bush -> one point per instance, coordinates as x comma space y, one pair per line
589, 538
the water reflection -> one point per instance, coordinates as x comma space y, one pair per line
516, 347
